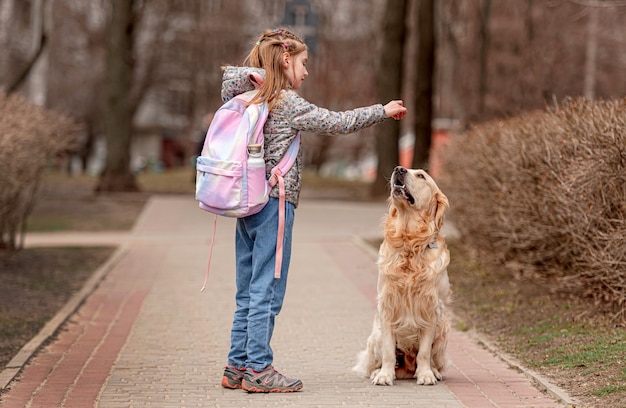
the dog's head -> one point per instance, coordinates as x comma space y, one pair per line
414, 192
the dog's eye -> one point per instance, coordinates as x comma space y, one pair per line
420, 175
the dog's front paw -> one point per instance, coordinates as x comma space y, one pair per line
382, 377
427, 377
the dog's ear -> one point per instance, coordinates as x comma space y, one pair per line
439, 209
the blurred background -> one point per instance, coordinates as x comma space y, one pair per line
492, 58
516, 107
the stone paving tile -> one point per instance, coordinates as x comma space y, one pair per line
147, 337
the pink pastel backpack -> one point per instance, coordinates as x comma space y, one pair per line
231, 169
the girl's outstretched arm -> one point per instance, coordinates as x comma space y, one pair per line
305, 116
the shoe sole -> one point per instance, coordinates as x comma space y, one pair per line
267, 390
227, 384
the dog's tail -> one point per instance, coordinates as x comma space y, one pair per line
366, 363
360, 367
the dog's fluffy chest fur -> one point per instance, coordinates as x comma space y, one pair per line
413, 285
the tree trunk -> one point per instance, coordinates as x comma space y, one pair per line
389, 88
117, 117
484, 50
591, 52
424, 83
39, 42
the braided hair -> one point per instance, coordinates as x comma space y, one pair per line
268, 54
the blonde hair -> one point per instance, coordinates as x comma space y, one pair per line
268, 54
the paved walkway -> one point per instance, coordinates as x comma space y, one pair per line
145, 336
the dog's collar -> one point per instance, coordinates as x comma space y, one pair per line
433, 245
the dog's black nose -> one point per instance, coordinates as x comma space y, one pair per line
400, 170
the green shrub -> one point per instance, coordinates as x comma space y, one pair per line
29, 137
546, 191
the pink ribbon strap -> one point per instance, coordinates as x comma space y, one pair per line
206, 275
277, 177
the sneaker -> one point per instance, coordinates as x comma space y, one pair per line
269, 380
232, 377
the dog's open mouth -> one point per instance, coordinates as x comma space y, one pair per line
399, 188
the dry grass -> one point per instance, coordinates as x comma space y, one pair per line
546, 192
563, 337
30, 136
542, 197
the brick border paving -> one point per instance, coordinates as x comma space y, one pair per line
14, 367
73, 368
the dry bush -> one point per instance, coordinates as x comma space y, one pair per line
546, 191
30, 137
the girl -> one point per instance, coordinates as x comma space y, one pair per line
281, 58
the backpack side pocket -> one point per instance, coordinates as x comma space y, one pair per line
219, 184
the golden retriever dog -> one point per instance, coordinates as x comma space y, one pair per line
410, 331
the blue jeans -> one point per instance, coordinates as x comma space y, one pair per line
259, 295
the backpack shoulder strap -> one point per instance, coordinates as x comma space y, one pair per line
288, 158
276, 177
256, 113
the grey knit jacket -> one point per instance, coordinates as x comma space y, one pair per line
291, 114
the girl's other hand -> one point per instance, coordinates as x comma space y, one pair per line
395, 109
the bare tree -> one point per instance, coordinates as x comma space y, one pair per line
343, 75
30, 137
425, 67
116, 175
533, 53
389, 87
39, 45
484, 49
149, 58
590, 54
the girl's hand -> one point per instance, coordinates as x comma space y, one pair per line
394, 109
